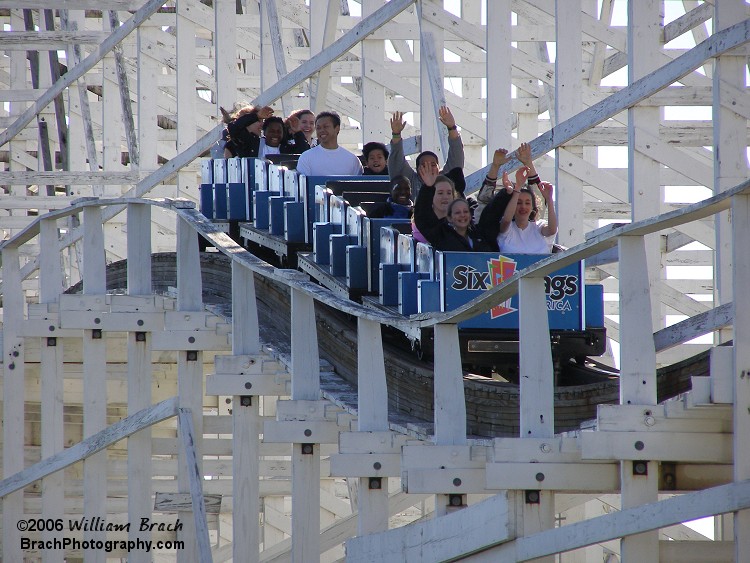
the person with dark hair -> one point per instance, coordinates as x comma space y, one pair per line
442, 217
399, 205
454, 163
376, 159
274, 141
328, 158
511, 216
273, 135
243, 130
520, 232
301, 120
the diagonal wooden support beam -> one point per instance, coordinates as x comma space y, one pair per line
86, 448
717, 44
717, 500
77, 71
187, 436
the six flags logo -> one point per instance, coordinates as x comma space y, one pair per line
502, 268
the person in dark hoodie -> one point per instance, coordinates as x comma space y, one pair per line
454, 163
399, 205
445, 219
243, 134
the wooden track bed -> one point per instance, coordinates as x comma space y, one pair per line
491, 406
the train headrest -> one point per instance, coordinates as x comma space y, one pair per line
340, 186
288, 160
355, 198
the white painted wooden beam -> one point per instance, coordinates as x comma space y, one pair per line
189, 282
13, 411
740, 279
439, 539
139, 249
89, 446
537, 374
629, 521
716, 45
79, 70
195, 478
450, 403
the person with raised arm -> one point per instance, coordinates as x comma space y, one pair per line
300, 121
454, 163
442, 217
519, 231
511, 216
243, 130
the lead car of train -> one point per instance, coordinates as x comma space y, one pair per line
319, 224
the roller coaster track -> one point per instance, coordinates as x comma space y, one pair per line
491, 406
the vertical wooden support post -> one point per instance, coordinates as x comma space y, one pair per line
499, 108
272, 31
139, 249
372, 404
187, 181
450, 403
537, 385
139, 377
13, 400
94, 379
51, 375
148, 93
537, 390
245, 423
528, 121
637, 383
741, 274
645, 25
111, 118
189, 380
568, 95
225, 48
471, 88
323, 18
305, 467
434, 135
730, 146
373, 93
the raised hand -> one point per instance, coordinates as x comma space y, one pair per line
523, 153
521, 175
446, 117
546, 190
293, 123
507, 183
428, 172
500, 157
265, 112
397, 123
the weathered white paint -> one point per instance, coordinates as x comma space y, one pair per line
439, 539
450, 405
79, 70
741, 347
13, 411
629, 521
125, 428
139, 249
192, 466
